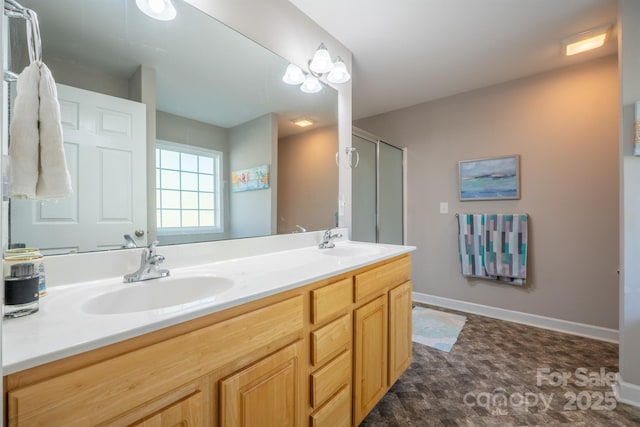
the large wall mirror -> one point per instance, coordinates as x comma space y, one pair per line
178, 131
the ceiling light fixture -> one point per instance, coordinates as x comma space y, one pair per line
303, 123
321, 64
586, 40
162, 10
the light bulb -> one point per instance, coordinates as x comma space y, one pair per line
293, 75
338, 73
311, 85
162, 10
321, 61
156, 5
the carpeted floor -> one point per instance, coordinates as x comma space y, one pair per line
506, 374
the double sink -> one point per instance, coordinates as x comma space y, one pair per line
190, 287
84, 315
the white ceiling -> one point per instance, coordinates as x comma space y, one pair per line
406, 52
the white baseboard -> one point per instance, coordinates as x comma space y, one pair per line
626, 392
573, 328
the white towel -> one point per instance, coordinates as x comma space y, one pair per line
54, 180
38, 169
24, 135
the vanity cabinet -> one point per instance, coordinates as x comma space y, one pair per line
370, 376
382, 332
266, 393
400, 304
148, 381
185, 412
319, 355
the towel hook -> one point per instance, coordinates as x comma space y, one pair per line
33, 37
13, 9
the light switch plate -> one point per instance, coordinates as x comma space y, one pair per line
444, 207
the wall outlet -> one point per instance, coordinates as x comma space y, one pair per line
444, 207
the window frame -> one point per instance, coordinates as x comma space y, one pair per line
218, 161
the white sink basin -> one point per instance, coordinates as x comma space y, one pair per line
165, 293
352, 250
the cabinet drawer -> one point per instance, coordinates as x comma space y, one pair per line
326, 381
327, 301
391, 274
331, 340
336, 412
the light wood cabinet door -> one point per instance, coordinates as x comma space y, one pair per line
134, 379
399, 331
265, 394
185, 413
370, 368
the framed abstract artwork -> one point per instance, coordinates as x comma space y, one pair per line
250, 179
496, 178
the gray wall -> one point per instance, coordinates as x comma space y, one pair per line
87, 78
308, 180
564, 125
253, 213
628, 18
181, 130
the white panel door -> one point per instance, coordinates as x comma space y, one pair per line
105, 148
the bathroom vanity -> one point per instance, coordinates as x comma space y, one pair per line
316, 343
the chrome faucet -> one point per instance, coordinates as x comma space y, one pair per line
149, 263
130, 242
327, 239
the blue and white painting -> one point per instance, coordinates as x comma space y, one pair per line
487, 179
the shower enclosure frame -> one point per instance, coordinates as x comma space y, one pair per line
378, 142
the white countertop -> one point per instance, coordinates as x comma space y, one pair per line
61, 328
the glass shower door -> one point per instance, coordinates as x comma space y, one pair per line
390, 194
363, 184
377, 192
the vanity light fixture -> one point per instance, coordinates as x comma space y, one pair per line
321, 64
321, 61
294, 75
162, 10
339, 73
303, 123
586, 40
311, 84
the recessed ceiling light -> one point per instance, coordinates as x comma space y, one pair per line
303, 123
162, 10
587, 40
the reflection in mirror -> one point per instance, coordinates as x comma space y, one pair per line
180, 131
